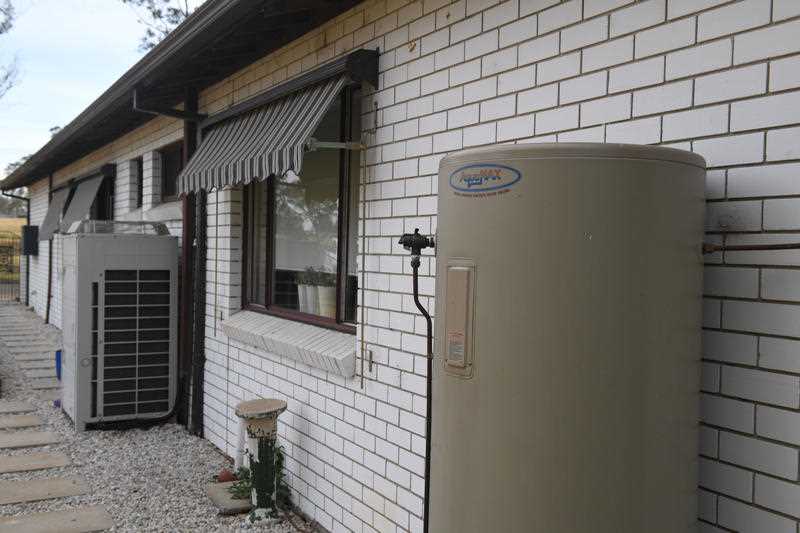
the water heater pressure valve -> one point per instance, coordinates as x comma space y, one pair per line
416, 243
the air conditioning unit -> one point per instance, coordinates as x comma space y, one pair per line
119, 318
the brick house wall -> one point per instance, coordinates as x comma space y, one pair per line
719, 77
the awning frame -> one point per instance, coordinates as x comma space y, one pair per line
108, 170
346, 71
359, 65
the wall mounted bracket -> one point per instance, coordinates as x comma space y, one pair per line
175, 113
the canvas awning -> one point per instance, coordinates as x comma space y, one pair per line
267, 141
81, 202
53, 217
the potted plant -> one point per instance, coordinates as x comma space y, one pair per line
326, 293
307, 298
316, 292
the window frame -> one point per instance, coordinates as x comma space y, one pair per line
343, 244
139, 162
176, 146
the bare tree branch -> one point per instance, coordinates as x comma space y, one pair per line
159, 17
8, 77
7, 16
8, 73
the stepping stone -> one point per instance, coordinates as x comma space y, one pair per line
224, 501
27, 343
49, 394
14, 350
37, 363
19, 421
81, 520
35, 356
34, 461
41, 373
19, 491
45, 383
16, 407
28, 439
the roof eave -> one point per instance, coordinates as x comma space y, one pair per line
120, 92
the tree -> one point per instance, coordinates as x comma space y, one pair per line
159, 17
14, 207
8, 73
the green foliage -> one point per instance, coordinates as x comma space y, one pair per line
242, 488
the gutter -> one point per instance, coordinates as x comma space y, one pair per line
27, 257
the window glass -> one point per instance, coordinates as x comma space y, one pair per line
171, 166
301, 231
307, 229
103, 205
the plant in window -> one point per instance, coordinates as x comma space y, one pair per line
316, 291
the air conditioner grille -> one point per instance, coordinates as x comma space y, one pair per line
136, 342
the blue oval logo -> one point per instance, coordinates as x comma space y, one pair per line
481, 178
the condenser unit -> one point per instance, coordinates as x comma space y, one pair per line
120, 287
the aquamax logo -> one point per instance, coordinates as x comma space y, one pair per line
483, 179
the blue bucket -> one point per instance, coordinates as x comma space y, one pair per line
58, 365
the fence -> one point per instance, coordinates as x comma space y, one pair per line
9, 266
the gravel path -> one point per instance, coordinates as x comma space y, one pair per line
148, 479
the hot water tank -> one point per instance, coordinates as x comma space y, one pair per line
567, 344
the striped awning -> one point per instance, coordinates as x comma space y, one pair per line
261, 143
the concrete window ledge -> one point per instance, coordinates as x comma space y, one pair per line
329, 350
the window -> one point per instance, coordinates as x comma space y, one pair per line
103, 205
301, 231
171, 166
138, 164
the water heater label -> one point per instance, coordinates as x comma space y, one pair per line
484, 179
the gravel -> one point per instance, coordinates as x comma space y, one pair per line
148, 479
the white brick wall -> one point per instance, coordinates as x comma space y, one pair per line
719, 77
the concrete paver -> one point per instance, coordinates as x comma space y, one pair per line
35, 356
45, 383
15, 350
19, 421
41, 373
224, 501
15, 407
49, 394
82, 520
20, 491
37, 363
26, 439
33, 461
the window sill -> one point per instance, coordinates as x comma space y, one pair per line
322, 348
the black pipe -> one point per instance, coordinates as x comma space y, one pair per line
27, 257
49, 256
709, 248
415, 261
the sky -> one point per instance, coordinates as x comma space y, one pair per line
68, 52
